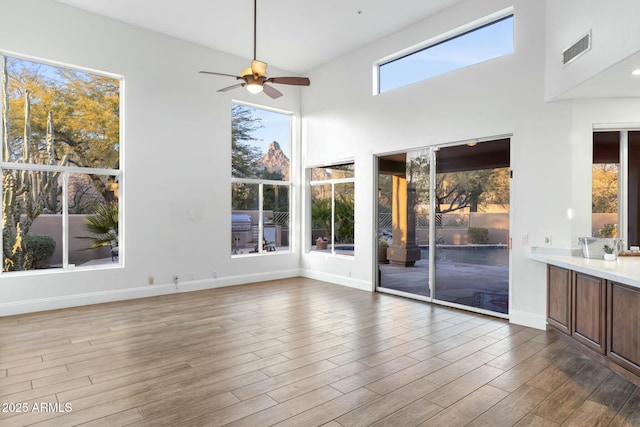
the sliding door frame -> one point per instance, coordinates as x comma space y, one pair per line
432, 229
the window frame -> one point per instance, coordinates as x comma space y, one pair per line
261, 182
66, 171
333, 182
470, 27
623, 218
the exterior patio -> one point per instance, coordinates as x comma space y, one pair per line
462, 282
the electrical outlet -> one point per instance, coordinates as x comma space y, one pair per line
151, 280
525, 239
547, 240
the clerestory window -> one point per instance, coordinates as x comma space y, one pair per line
472, 44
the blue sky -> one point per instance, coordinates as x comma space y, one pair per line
51, 72
483, 44
276, 127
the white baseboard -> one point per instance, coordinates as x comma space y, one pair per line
54, 303
76, 300
523, 318
363, 285
221, 282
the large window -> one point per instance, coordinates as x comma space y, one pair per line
467, 46
616, 185
260, 183
332, 209
60, 167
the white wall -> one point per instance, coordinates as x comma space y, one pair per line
615, 35
177, 143
176, 158
550, 149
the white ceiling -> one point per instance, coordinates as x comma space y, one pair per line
616, 81
300, 35
293, 35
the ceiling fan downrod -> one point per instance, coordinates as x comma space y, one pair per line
254, 78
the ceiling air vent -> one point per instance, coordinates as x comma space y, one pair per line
576, 50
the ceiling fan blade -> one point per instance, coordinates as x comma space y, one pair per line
271, 91
225, 89
297, 81
220, 74
258, 67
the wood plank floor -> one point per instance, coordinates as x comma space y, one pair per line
296, 352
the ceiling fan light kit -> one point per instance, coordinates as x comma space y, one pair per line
254, 86
255, 77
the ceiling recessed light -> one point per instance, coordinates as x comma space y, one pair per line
636, 72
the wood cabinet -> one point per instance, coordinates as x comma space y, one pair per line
588, 311
623, 326
559, 298
601, 315
576, 306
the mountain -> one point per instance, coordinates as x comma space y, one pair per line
274, 160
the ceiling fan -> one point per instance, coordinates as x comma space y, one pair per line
255, 77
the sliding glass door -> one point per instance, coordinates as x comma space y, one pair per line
403, 222
443, 225
472, 222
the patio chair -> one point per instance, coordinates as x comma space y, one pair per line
267, 247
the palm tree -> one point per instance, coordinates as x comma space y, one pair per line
103, 223
321, 215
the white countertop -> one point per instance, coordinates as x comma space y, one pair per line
624, 270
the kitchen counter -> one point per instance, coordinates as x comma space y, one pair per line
596, 304
625, 270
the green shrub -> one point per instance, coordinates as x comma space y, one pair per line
344, 217
478, 235
40, 250
609, 230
